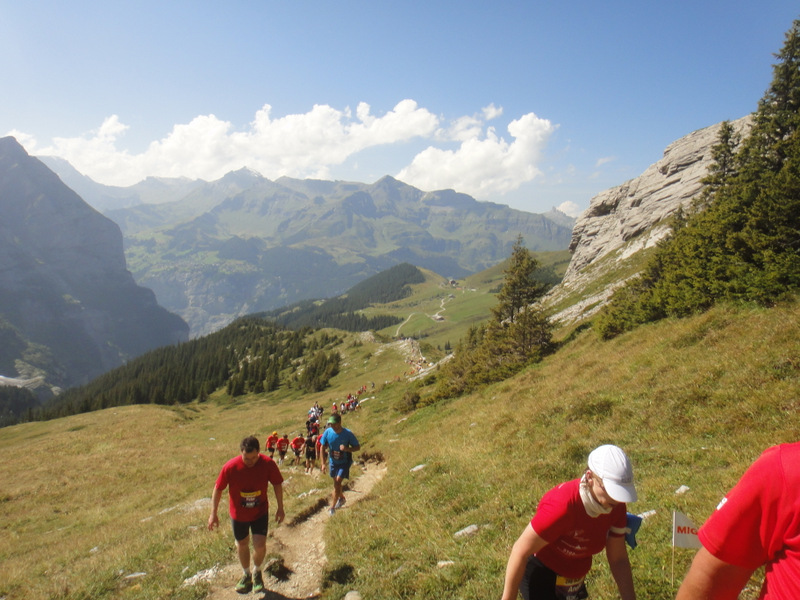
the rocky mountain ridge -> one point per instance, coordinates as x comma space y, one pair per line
632, 217
69, 308
246, 244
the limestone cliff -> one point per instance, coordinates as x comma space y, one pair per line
629, 218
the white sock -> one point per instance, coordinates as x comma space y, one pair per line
246, 571
256, 569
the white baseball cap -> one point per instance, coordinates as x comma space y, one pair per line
612, 466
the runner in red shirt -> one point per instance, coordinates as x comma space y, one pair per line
283, 447
757, 523
272, 442
573, 522
297, 447
247, 478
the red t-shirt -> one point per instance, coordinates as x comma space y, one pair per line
283, 445
758, 522
247, 486
298, 442
572, 536
271, 441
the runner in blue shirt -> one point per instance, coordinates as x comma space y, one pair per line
340, 444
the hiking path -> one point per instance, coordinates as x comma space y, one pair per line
301, 547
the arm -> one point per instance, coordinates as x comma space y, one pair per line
213, 519
709, 578
529, 542
323, 450
617, 555
279, 514
350, 448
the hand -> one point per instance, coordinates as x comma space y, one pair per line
213, 521
279, 515
343, 448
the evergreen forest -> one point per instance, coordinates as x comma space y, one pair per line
341, 312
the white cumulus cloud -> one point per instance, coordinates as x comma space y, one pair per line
492, 112
570, 208
464, 153
483, 166
297, 145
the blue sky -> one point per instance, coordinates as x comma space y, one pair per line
532, 104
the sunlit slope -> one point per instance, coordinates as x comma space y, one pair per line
125, 491
442, 310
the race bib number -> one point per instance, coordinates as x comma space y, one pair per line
336, 454
250, 499
568, 588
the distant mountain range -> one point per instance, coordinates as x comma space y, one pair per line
69, 308
213, 251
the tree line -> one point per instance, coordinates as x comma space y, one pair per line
251, 355
342, 312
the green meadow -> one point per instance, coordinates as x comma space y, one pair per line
113, 504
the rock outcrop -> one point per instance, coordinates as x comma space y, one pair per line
69, 309
631, 217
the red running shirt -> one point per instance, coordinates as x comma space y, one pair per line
758, 522
572, 536
247, 486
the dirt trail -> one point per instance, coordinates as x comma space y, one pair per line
302, 548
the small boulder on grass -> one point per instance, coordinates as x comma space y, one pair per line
467, 531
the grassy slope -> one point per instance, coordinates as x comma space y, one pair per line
692, 401
462, 305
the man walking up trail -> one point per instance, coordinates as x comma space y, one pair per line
340, 444
311, 452
247, 478
283, 447
272, 442
297, 445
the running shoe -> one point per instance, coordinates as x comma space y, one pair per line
340, 502
245, 584
258, 583
332, 511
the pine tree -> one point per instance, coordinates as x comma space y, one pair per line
520, 288
778, 116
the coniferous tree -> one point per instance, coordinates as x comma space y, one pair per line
520, 287
519, 334
745, 246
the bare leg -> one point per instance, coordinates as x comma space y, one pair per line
337, 489
243, 550
259, 549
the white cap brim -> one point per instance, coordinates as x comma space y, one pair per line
620, 492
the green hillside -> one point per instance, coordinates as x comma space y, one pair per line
126, 489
